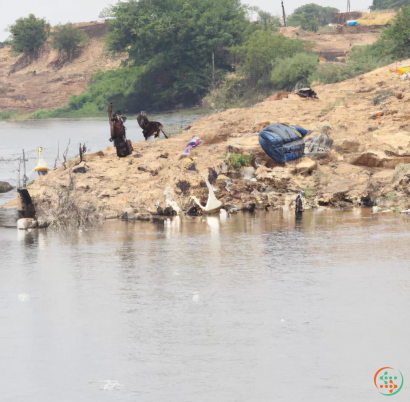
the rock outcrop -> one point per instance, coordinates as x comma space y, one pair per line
5, 187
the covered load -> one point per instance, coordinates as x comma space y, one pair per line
283, 143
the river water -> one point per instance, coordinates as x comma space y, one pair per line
255, 307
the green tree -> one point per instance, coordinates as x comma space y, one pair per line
67, 38
106, 12
261, 52
312, 12
398, 35
29, 34
310, 25
292, 70
388, 4
268, 21
182, 43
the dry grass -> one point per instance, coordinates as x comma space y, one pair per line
67, 212
377, 18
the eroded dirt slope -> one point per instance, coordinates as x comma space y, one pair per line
50, 81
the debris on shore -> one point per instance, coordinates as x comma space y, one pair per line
368, 163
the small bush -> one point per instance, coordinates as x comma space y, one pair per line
67, 38
289, 71
8, 114
328, 73
238, 160
29, 34
392, 195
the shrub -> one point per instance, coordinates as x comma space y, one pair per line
29, 34
328, 73
262, 51
238, 160
67, 38
290, 71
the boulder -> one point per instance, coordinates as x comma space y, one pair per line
26, 223
128, 213
5, 187
143, 216
305, 165
81, 168
346, 145
379, 159
187, 164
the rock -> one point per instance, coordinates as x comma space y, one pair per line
223, 177
187, 164
305, 165
372, 128
128, 213
143, 216
278, 96
261, 125
81, 168
379, 159
26, 223
365, 90
399, 95
5, 187
346, 145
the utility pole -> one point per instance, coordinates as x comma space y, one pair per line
284, 15
348, 6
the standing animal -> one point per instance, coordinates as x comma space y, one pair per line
149, 128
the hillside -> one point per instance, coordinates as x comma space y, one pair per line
28, 85
370, 121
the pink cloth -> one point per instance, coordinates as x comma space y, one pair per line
192, 144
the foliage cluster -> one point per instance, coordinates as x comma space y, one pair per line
239, 160
389, 4
312, 16
29, 34
67, 38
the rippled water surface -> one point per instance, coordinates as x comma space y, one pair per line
250, 308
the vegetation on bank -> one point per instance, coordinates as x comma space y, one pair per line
185, 51
29, 34
389, 4
300, 68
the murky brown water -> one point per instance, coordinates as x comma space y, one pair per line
249, 308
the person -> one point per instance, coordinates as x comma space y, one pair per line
119, 128
299, 208
118, 136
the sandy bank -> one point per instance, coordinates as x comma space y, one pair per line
370, 121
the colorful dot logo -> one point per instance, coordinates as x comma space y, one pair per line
388, 381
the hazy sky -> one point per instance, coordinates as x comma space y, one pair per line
88, 10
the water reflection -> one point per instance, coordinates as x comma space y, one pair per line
211, 308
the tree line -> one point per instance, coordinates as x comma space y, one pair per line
29, 34
181, 51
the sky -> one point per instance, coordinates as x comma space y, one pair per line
87, 10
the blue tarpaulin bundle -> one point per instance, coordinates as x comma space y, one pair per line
283, 143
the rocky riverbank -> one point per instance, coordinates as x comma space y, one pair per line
368, 165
